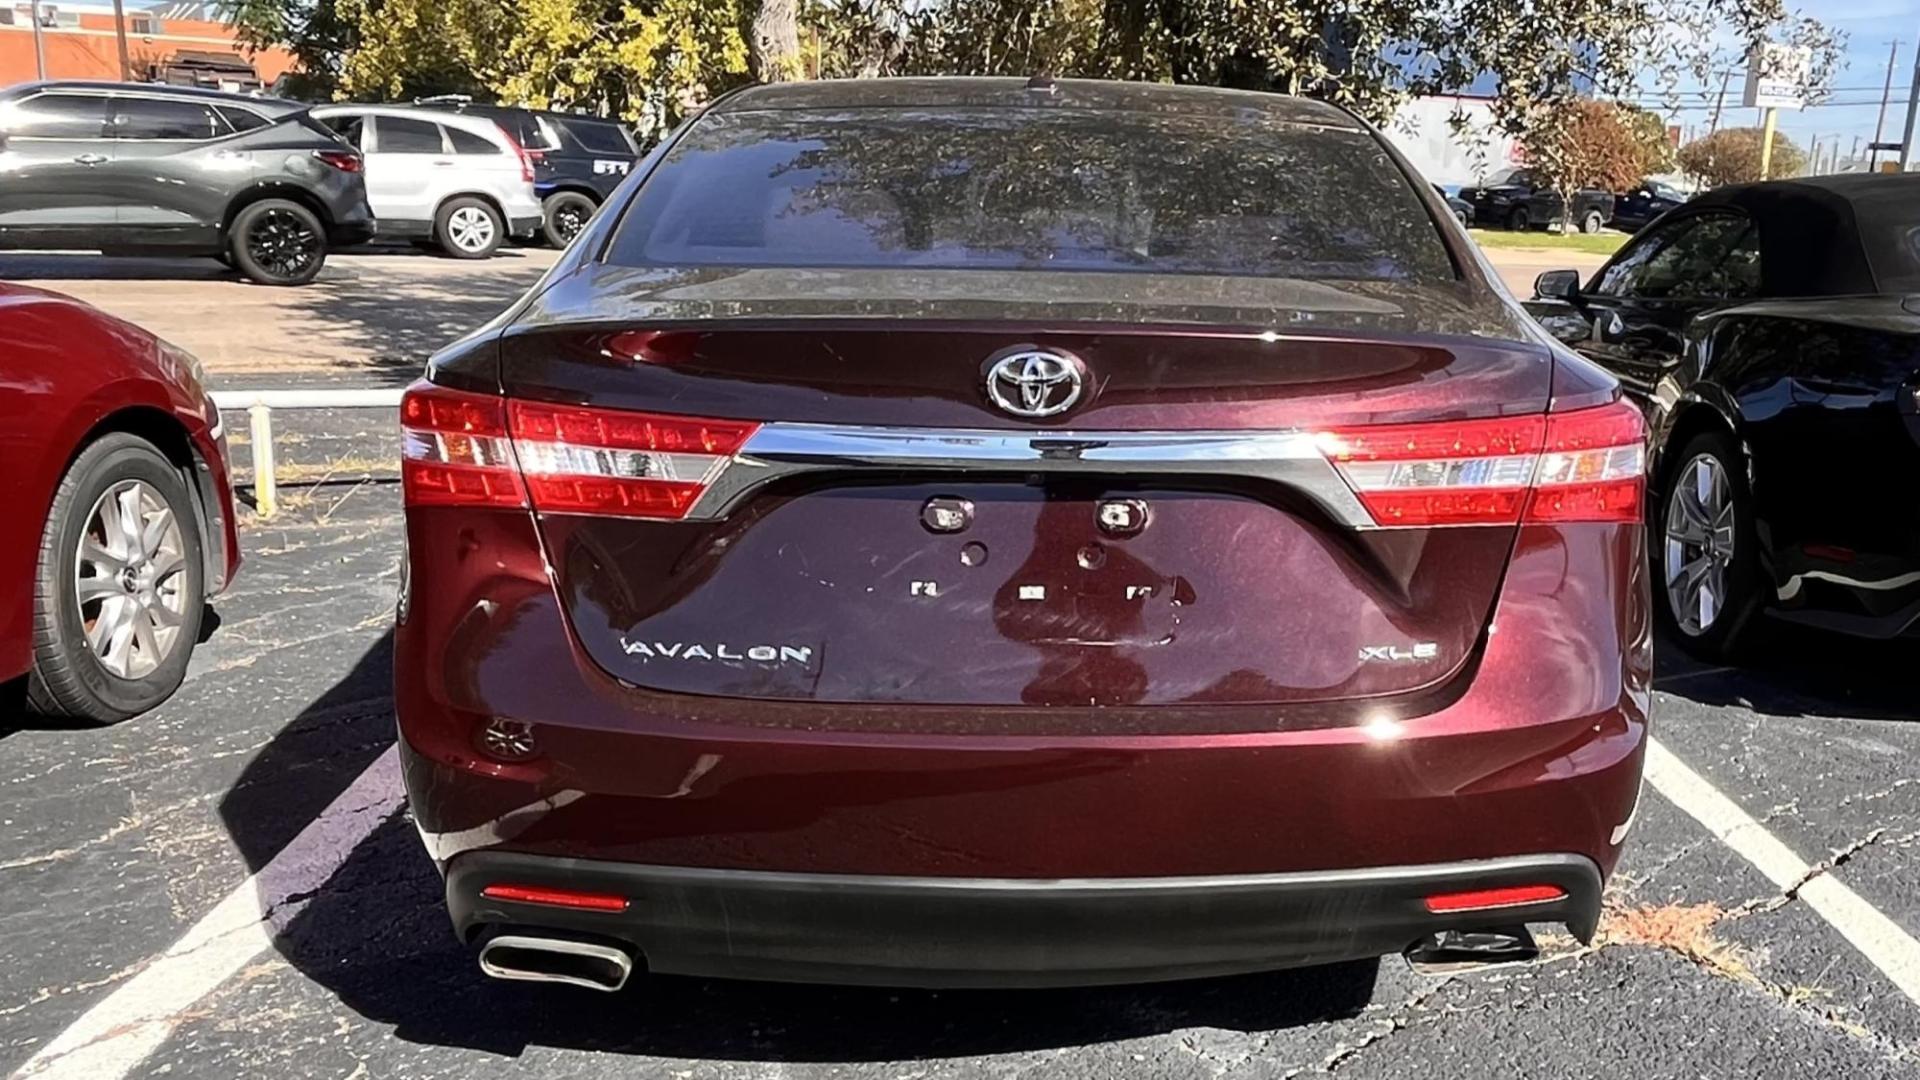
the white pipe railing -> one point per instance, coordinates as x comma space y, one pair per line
260, 405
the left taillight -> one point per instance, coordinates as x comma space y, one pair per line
463, 448
1585, 465
629, 464
455, 450
344, 160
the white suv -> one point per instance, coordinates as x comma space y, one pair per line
458, 181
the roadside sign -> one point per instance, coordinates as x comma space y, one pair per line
1775, 76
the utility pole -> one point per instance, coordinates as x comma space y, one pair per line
1873, 163
1913, 104
1720, 102
39, 45
120, 35
1766, 140
1853, 155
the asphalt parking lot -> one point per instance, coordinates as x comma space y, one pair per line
230, 887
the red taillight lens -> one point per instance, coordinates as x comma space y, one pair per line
1586, 465
564, 898
526, 158
1482, 899
480, 450
344, 160
631, 464
455, 450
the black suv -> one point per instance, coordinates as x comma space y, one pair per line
143, 169
1512, 198
577, 159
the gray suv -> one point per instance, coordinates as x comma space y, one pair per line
142, 169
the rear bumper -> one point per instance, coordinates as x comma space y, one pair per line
958, 932
525, 226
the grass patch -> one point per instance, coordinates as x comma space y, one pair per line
1604, 243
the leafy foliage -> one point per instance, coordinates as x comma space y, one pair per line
1594, 144
649, 59
1732, 156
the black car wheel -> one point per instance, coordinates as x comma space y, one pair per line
118, 594
1465, 218
567, 212
1591, 222
276, 242
1707, 575
467, 228
1519, 220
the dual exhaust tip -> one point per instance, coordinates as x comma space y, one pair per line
534, 957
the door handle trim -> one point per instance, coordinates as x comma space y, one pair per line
90, 159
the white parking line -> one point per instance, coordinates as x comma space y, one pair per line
116, 1035
1879, 939
111, 1039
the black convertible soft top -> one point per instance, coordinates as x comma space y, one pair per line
1832, 235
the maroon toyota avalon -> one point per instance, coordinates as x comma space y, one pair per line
979, 532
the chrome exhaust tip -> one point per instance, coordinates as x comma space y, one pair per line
1468, 950
532, 958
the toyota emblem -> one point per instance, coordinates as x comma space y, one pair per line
1035, 382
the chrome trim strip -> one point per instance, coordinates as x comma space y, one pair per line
1793, 584
1286, 458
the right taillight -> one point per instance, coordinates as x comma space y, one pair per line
483, 450
1586, 465
344, 160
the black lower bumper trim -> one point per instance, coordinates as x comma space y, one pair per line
948, 932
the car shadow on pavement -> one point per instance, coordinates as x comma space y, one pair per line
377, 938
1801, 672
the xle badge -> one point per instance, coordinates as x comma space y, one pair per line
1398, 654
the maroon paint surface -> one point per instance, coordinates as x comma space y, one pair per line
67, 370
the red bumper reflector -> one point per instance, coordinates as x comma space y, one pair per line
566, 898
1481, 899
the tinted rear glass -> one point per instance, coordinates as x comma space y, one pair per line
152, 118
598, 137
242, 119
398, 135
1032, 189
54, 116
466, 142
1888, 219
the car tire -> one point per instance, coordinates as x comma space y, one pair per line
1519, 219
277, 242
1591, 222
1707, 583
105, 652
565, 214
1465, 219
468, 228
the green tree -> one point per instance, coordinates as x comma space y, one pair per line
1732, 156
643, 60
1593, 144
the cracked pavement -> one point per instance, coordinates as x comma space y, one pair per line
114, 842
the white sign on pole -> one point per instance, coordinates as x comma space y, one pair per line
1775, 77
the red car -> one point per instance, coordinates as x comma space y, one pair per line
972, 532
120, 520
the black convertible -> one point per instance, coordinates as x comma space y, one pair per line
1772, 332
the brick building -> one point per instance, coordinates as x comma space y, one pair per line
184, 43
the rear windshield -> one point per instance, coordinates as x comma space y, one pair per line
1888, 219
1032, 189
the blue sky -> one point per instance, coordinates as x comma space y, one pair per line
1869, 26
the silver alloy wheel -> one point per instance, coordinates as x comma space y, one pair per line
1699, 544
130, 579
470, 228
